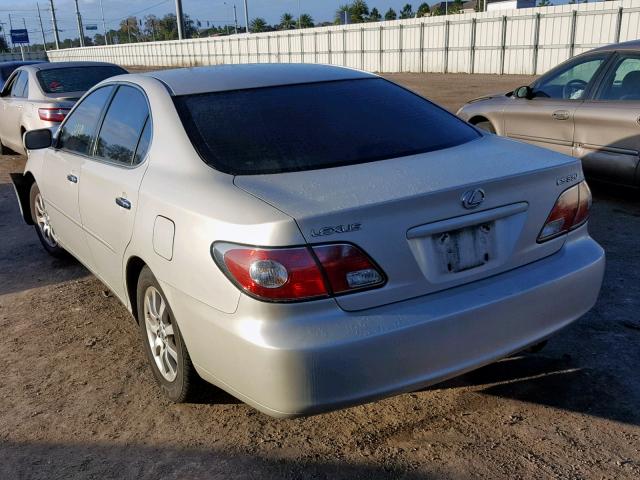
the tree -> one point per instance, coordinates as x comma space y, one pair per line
3, 45
355, 12
407, 11
374, 15
423, 10
287, 21
390, 15
258, 25
306, 21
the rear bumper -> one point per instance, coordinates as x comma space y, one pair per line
289, 360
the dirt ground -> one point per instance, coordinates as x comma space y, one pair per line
78, 401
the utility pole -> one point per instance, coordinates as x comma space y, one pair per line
179, 19
44, 39
24, 24
104, 25
235, 17
299, 16
80, 29
55, 25
11, 28
246, 17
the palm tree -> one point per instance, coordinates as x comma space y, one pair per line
306, 21
287, 22
258, 25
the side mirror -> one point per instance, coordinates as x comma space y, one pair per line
37, 139
523, 92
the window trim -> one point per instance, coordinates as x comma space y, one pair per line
101, 122
18, 75
593, 84
619, 55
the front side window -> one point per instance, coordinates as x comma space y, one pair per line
623, 83
75, 79
122, 126
570, 81
79, 129
315, 125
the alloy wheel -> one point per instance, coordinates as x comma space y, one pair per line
160, 333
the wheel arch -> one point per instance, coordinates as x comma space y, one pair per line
22, 184
134, 266
479, 118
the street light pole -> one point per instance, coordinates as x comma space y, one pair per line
246, 17
299, 16
44, 39
179, 19
55, 25
104, 25
80, 29
235, 17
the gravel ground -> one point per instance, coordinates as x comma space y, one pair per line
78, 401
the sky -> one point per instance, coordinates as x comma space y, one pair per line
215, 11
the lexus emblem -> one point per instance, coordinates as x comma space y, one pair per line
472, 198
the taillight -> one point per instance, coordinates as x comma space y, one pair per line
53, 114
297, 273
570, 211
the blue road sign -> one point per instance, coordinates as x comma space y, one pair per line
19, 36
91, 27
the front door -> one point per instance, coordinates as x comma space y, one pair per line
110, 183
62, 172
547, 119
607, 137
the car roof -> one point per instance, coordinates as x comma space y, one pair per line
631, 45
55, 65
219, 78
19, 63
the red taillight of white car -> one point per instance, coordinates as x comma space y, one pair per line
53, 114
570, 211
297, 273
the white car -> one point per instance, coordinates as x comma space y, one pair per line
310, 237
40, 95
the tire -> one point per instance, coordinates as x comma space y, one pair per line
169, 359
41, 223
487, 126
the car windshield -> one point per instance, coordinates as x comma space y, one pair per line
75, 79
315, 125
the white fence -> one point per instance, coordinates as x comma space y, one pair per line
527, 41
9, 57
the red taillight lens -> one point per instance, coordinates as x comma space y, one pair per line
570, 211
53, 114
299, 273
347, 267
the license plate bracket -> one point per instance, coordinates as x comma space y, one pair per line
465, 248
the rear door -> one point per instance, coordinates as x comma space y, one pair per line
547, 119
607, 136
61, 172
110, 182
12, 111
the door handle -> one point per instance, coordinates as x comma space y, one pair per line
72, 178
123, 202
560, 115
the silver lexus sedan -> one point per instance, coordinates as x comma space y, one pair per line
41, 94
587, 107
310, 237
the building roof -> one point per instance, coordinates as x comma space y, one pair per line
185, 81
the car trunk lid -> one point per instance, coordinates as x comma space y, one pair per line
407, 213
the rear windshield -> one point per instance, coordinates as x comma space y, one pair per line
316, 125
75, 79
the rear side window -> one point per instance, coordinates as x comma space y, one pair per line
75, 79
316, 125
79, 129
122, 126
20, 85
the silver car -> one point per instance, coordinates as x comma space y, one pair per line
310, 237
40, 96
587, 107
